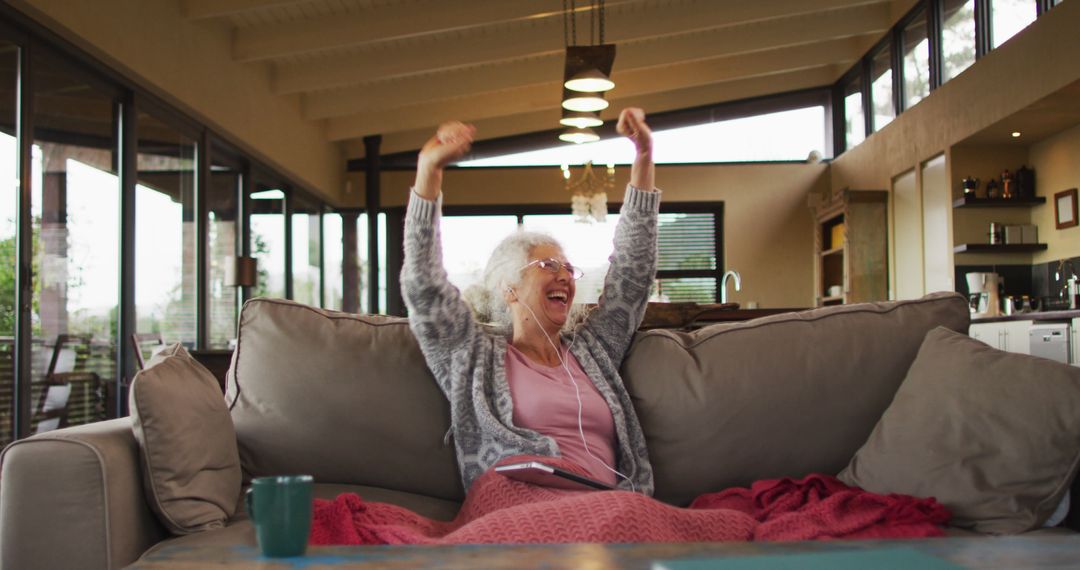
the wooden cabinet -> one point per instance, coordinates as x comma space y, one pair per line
1010, 336
850, 246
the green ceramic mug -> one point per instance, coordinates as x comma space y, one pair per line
280, 509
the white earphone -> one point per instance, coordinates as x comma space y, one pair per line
577, 389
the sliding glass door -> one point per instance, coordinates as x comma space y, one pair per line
75, 208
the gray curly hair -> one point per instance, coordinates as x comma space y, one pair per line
504, 269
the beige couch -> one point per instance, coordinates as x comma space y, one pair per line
349, 400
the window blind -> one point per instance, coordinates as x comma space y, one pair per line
686, 266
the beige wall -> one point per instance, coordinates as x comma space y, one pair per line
768, 229
1057, 167
151, 43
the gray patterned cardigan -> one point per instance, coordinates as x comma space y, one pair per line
469, 363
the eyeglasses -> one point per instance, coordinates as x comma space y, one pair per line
552, 265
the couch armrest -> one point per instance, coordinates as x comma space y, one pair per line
73, 498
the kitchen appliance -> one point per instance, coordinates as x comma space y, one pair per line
983, 294
1050, 340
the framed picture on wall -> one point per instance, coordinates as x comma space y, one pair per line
1065, 208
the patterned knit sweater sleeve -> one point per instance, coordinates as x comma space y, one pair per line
630, 277
438, 315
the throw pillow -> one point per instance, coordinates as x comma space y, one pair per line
994, 436
191, 466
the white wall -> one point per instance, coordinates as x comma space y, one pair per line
937, 226
907, 244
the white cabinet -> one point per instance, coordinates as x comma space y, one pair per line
1016, 336
988, 333
1010, 336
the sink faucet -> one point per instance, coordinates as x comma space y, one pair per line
723, 284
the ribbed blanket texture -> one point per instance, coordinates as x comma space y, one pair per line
499, 510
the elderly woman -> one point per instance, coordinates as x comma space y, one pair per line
539, 390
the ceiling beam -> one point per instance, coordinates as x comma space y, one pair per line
655, 103
625, 23
393, 22
630, 84
870, 20
206, 9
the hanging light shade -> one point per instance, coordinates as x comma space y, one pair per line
579, 136
585, 103
580, 120
589, 80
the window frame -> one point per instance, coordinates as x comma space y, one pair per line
934, 10
920, 10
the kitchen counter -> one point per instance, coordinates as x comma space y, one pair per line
1064, 315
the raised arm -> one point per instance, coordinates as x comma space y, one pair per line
632, 126
633, 262
438, 315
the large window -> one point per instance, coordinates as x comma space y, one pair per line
223, 245
268, 241
1009, 17
881, 88
110, 224
785, 135
854, 118
306, 249
165, 232
916, 50
957, 37
362, 251
688, 267
75, 206
333, 261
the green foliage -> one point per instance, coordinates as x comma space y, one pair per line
262, 281
9, 282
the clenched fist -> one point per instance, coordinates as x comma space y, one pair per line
450, 143
632, 125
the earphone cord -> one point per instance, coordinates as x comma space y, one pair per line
577, 392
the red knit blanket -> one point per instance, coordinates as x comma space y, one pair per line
502, 510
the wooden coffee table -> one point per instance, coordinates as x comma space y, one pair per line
1044, 551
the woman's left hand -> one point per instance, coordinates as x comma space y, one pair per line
633, 126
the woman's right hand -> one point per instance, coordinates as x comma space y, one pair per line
450, 143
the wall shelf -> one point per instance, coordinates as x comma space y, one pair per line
970, 202
999, 247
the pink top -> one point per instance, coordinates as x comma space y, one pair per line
545, 401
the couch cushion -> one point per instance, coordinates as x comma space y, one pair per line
785, 395
994, 436
186, 442
345, 398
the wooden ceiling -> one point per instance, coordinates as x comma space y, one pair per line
400, 67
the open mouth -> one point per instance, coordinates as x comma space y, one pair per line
560, 298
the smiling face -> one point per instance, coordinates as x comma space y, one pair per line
549, 295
